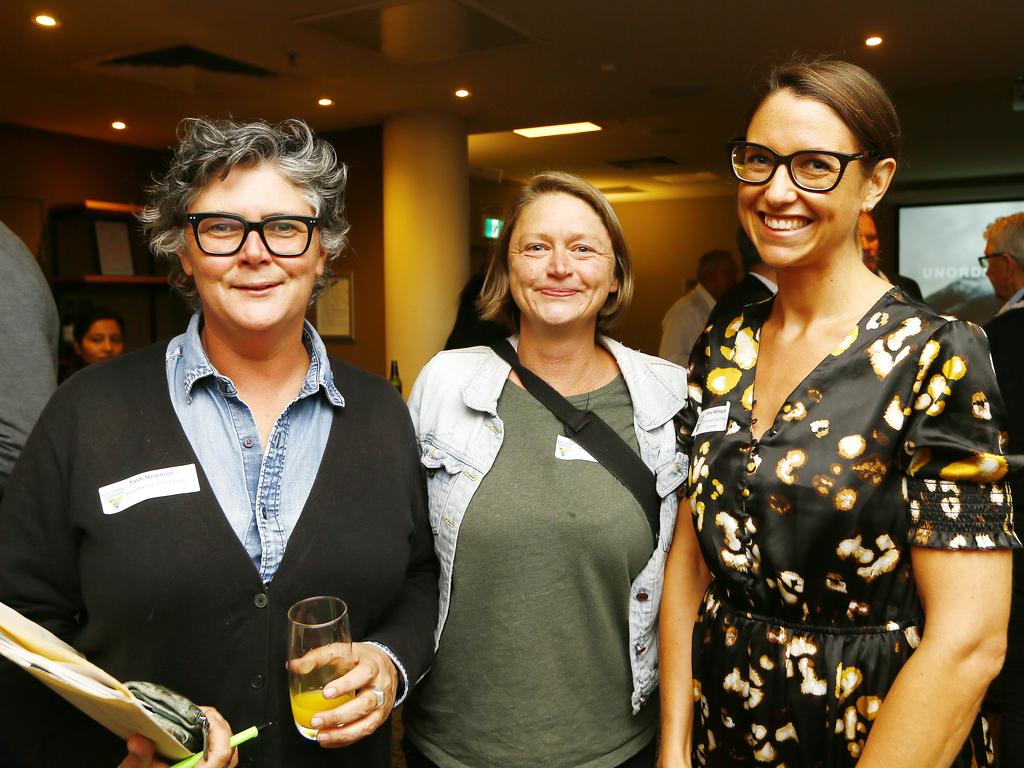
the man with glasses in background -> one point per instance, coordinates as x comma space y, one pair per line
1004, 260
1004, 266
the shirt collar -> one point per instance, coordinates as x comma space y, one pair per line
773, 287
704, 296
196, 366
1016, 299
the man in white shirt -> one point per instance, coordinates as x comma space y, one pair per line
685, 320
1004, 259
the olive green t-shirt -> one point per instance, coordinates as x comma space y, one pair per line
533, 665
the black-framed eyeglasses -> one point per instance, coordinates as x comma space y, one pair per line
983, 260
813, 170
223, 234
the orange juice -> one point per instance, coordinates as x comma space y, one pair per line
309, 703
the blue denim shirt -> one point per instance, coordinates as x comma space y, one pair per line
262, 493
454, 410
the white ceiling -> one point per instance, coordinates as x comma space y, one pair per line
666, 79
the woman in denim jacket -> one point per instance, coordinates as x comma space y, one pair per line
551, 574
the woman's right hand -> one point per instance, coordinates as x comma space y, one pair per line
141, 751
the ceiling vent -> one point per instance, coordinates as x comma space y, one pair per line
419, 32
656, 163
182, 68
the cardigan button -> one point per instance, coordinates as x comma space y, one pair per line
256, 682
643, 597
261, 600
641, 649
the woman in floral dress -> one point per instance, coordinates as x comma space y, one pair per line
845, 480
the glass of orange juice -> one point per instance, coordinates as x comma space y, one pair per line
319, 651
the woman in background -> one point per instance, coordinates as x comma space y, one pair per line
846, 495
99, 335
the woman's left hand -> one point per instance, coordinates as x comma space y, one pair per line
219, 753
373, 671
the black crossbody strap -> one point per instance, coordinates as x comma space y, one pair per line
594, 435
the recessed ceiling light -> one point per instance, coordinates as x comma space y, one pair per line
45, 21
118, 125
325, 102
873, 41
556, 130
463, 93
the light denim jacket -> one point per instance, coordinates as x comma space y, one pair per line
454, 410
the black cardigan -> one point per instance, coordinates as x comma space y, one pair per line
164, 591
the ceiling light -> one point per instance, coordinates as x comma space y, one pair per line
463, 93
118, 125
325, 102
873, 41
45, 21
556, 130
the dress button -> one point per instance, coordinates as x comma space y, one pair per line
261, 600
643, 597
248, 442
257, 681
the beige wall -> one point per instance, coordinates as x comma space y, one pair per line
666, 237
426, 241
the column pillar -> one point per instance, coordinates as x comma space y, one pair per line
426, 235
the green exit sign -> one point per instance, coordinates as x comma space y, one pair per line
492, 228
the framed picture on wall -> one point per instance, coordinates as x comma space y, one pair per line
335, 310
114, 248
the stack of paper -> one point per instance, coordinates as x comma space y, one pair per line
60, 667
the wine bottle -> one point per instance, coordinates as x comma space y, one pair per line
395, 379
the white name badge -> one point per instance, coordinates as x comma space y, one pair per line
153, 484
568, 450
712, 420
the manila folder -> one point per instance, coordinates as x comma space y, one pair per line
60, 667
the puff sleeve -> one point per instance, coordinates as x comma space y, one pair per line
953, 460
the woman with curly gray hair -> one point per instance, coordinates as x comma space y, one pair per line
172, 504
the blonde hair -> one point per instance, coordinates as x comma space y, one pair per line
496, 302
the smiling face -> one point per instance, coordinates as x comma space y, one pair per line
793, 227
252, 291
561, 265
102, 341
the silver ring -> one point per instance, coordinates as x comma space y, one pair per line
380, 697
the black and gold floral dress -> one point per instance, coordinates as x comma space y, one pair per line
892, 441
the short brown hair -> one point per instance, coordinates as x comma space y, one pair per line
850, 91
496, 303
